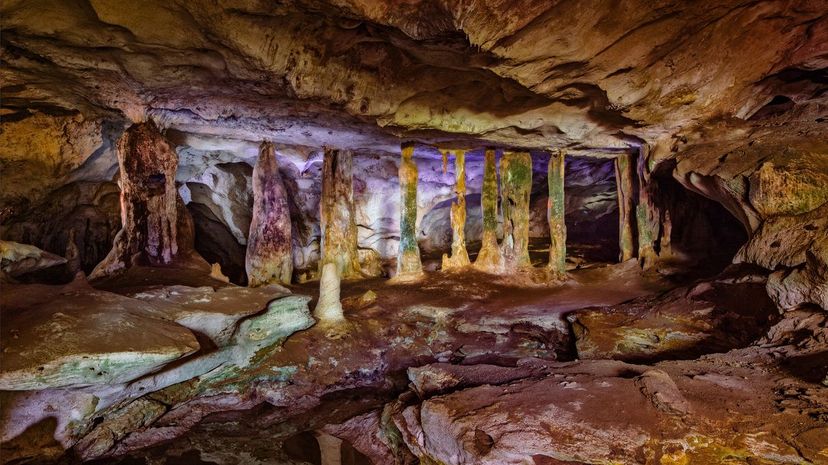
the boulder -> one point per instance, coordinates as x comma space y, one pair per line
17, 259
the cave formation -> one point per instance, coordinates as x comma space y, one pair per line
420, 232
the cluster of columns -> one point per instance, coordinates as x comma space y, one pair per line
514, 193
156, 227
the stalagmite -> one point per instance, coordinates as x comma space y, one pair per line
515, 188
489, 259
626, 206
329, 307
555, 211
269, 258
408, 259
337, 217
149, 201
459, 255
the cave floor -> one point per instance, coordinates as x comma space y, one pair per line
516, 349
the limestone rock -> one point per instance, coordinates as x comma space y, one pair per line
716, 315
88, 338
329, 307
17, 259
564, 417
205, 310
515, 190
149, 203
269, 257
90, 208
796, 247
337, 217
227, 190
366, 435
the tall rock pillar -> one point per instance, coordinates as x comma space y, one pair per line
337, 216
459, 255
515, 188
408, 259
489, 259
624, 172
555, 211
149, 202
648, 216
269, 256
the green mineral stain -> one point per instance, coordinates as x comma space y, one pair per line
408, 260
556, 211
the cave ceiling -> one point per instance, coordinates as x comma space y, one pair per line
593, 76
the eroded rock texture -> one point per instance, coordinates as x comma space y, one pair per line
337, 217
269, 258
489, 258
515, 188
713, 115
459, 255
626, 206
408, 259
150, 204
555, 213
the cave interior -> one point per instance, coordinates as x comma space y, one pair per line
366, 232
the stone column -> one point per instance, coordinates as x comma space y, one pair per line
489, 259
408, 259
337, 216
647, 215
269, 256
459, 255
515, 188
626, 206
555, 211
329, 307
149, 201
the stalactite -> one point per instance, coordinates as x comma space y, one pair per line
408, 259
459, 255
626, 206
149, 202
556, 209
337, 216
515, 188
269, 253
490, 258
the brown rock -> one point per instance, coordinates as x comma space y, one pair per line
269, 257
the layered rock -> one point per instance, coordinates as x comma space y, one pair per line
728, 312
19, 259
269, 246
668, 413
88, 338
